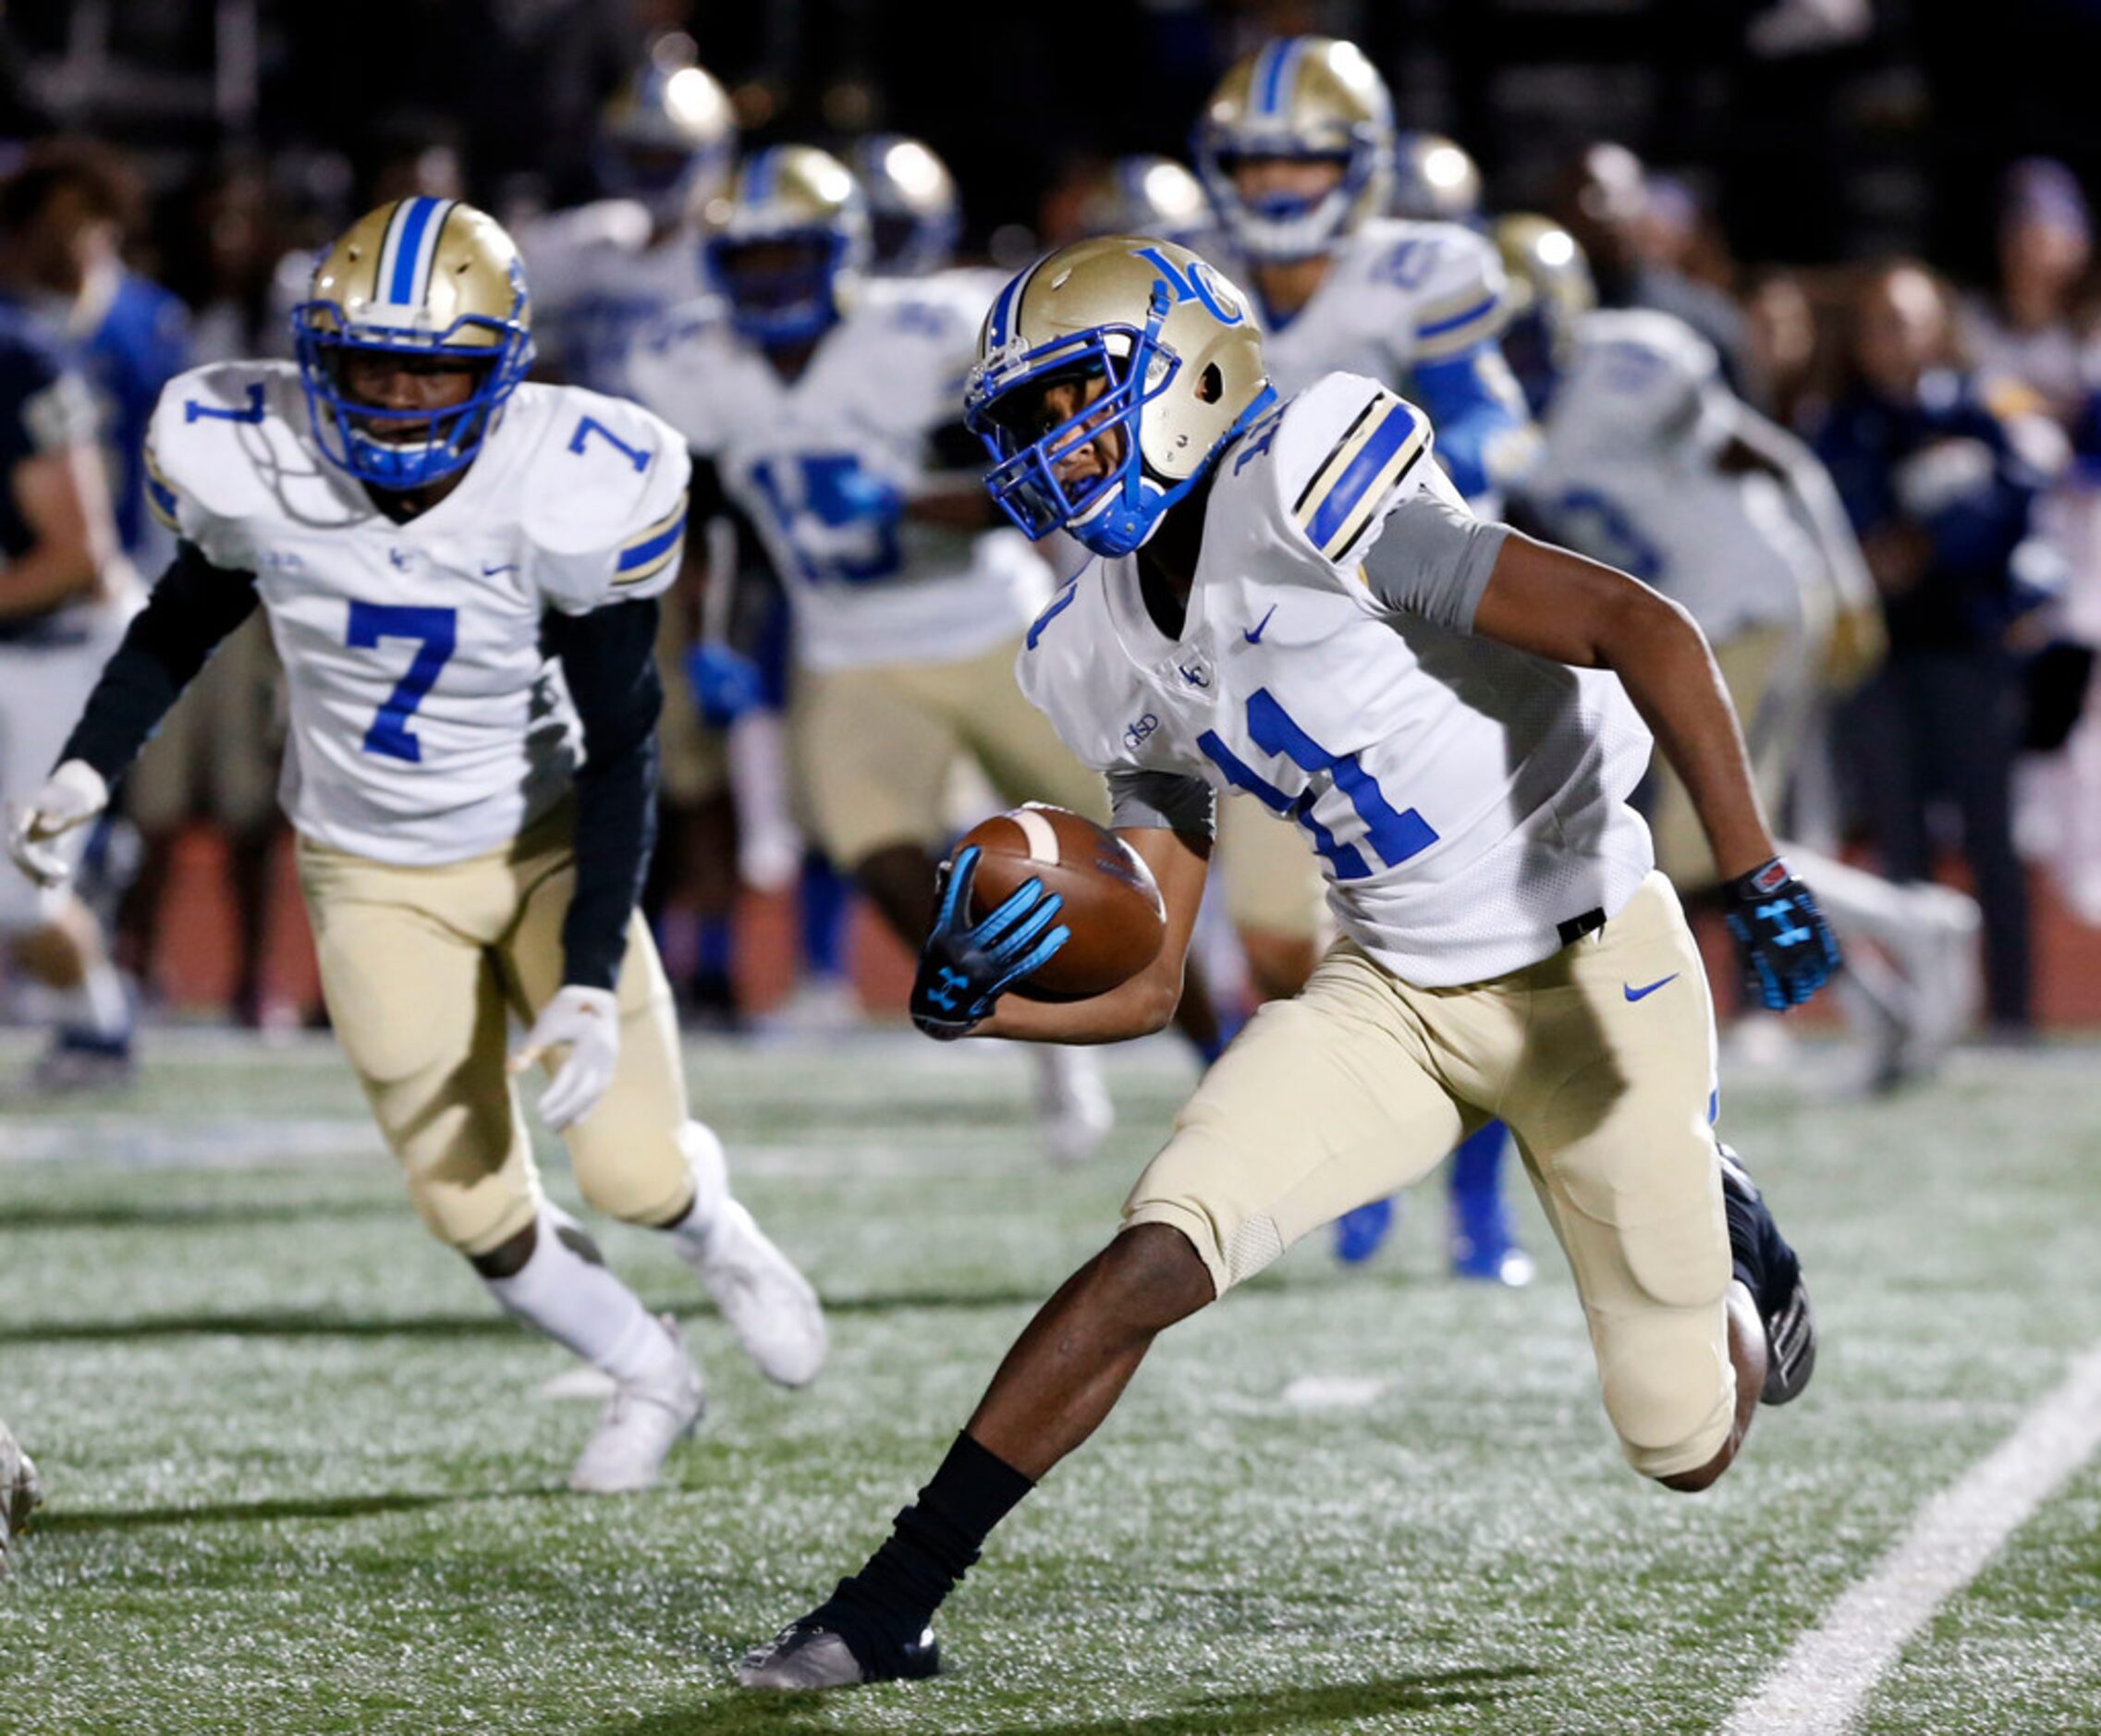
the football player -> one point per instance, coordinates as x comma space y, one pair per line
460, 571
823, 412
1649, 461
64, 593
1452, 717
601, 271
1295, 149
20, 1493
1434, 180
914, 216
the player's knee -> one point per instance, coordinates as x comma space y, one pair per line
1671, 1400
1278, 965
1153, 1277
654, 1179
50, 954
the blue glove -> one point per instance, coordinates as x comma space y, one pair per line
1786, 947
841, 492
725, 683
964, 969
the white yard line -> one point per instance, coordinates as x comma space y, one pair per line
1825, 1680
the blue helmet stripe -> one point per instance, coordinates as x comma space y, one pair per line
1274, 72
759, 184
1003, 309
408, 244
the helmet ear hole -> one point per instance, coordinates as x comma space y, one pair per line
1211, 385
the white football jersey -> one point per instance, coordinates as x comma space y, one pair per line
1627, 475
1465, 799
1399, 293
427, 723
597, 281
791, 454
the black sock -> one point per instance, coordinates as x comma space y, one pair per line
933, 1546
1759, 1255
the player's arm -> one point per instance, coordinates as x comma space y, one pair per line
1556, 604
608, 662
1180, 862
1484, 431
63, 502
194, 606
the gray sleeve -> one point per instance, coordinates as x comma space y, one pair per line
1169, 802
1433, 558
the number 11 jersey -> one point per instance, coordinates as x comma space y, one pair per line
1465, 799
427, 723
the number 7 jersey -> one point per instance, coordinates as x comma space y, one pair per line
1465, 799
427, 723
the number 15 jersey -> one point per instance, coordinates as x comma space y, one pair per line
1465, 799
427, 723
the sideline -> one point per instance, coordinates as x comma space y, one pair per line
1826, 1676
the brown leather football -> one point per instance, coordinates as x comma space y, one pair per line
1111, 903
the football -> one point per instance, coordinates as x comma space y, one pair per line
1111, 903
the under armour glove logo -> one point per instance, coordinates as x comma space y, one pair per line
1786, 948
963, 968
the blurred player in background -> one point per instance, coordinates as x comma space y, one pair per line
1296, 150
602, 271
1434, 180
460, 573
915, 217
66, 591
1651, 464
824, 410
1508, 948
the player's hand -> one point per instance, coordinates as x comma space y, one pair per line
69, 798
586, 1021
1786, 948
964, 968
727, 684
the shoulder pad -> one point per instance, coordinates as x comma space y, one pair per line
1347, 451
603, 496
229, 443
1640, 375
1450, 279
677, 366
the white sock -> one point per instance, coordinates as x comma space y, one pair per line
710, 1170
1856, 902
576, 1301
100, 1005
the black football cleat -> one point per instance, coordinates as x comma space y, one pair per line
809, 1655
1773, 1273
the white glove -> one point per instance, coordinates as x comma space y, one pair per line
587, 1022
71, 797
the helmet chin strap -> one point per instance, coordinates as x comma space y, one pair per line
1137, 510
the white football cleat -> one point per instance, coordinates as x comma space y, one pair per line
1073, 1111
767, 1303
20, 1494
642, 1422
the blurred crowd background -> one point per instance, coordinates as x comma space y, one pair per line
1845, 196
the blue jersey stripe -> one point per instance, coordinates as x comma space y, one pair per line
644, 553
1372, 458
1458, 320
409, 243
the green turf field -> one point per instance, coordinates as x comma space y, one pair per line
302, 1477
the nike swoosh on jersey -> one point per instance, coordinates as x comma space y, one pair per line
489, 573
1253, 635
1643, 994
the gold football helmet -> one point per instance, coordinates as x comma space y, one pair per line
790, 245
1308, 97
426, 278
914, 213
1181, 366
669, 135
1434, 179
1550, 291
1148, 195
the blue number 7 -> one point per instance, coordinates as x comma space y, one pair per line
439, 630
1393, 834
